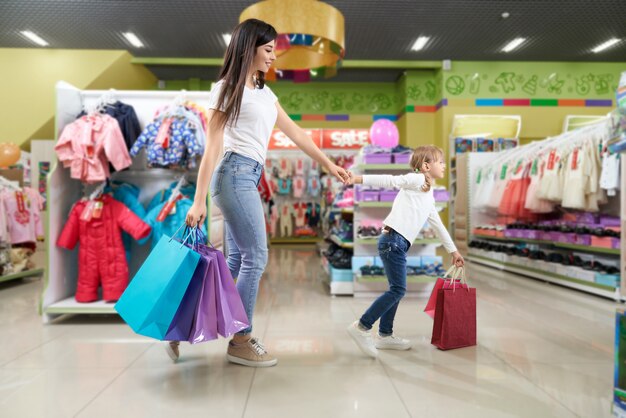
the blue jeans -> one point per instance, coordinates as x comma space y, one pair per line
234, 191
392, 248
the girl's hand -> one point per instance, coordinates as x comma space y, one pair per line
196, 215
457, 259
341, 174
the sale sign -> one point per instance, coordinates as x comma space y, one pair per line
280, 141
345, 138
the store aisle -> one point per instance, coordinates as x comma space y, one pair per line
543, 351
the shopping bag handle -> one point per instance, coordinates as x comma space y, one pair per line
455, 273
186, 236
461, 274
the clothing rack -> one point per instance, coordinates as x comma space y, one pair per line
62, 265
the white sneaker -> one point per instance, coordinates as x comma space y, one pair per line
392, 343
363, 339
171, 348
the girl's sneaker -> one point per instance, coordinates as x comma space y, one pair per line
392, 343
363, 339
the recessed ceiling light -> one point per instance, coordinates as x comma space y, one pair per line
227, 37
420, 43
133, 39
506, 15
513, 44
35, 38
605, 45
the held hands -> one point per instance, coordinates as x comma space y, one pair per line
457, 259
341, 174
196, 214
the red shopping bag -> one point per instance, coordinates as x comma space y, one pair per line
444, 282
455, 318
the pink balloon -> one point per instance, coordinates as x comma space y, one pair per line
384, 133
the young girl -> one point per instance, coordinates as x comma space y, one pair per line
413, 206
243, 113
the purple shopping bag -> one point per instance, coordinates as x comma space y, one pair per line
181, 326
205, 322
231, 316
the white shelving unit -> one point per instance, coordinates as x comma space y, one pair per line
62, 266
472, 127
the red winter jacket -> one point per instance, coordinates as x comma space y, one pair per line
101, 257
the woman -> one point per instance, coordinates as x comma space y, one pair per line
243, 112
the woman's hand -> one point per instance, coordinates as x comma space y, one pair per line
341, 174
457, 259
196, 214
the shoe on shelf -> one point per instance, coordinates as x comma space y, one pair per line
172, 350
363, 340
392, 342
251, 354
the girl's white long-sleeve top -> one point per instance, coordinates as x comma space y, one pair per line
412, 208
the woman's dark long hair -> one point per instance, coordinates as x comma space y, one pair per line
246, 38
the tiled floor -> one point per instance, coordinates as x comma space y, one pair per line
543, 351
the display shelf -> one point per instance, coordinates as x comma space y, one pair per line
21, 275
342, 210
589, 287
409, 279
372, 167
295, 240
438, 205
343, 244
374, 241
615, 251
70, 306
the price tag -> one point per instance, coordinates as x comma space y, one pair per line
480, 174
551, 160
97, 209
533, 170
503, 172
575, 159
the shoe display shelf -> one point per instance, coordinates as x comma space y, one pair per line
61, 272
21, 275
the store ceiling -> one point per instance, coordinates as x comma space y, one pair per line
557, 30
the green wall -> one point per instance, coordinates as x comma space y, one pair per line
546, 80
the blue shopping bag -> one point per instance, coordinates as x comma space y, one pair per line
153, 296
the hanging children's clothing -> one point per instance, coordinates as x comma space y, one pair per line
170, 142
284, 186
574, 168
285, 220
22, 215
126, 118
188, 190
299, 169
102, 260
533, 202
273, 219
300, 210
610, 179
87, 145
313, 214
173, 220
299, 185
314, 185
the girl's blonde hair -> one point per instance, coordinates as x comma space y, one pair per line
425, 154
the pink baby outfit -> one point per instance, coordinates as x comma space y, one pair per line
88, 144
22, 211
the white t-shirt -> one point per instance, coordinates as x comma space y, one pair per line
412, 207
250, 135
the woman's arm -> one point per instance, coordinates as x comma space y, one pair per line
302, 140
215, 138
